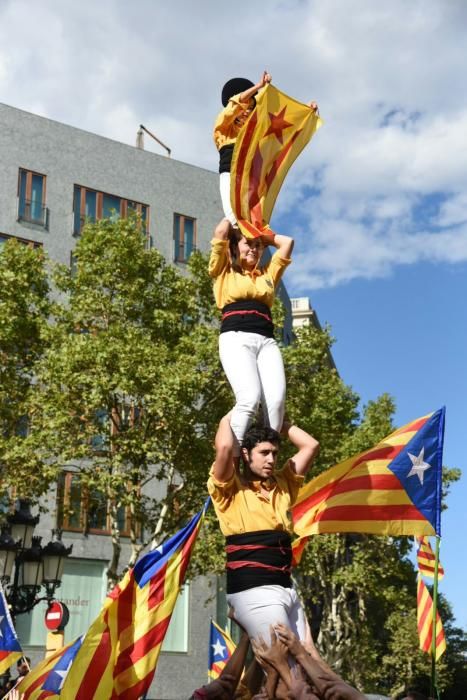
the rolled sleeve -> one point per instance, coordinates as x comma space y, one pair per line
219, 258
276, 266
226, 119
294, 481
221, 492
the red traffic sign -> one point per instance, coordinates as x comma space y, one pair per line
57, 616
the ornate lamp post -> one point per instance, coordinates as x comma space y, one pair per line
34, 566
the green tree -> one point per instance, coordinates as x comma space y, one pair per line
359, 590
24, 309
131, 387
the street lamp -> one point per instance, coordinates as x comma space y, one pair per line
8, 552
53, 558
34, 566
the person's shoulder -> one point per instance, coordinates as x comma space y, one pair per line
288, 475
214, 483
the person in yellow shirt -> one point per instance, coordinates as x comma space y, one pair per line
244, 291
253, 509
238, 99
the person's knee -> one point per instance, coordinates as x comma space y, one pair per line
248, 401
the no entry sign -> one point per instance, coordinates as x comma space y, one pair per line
57, 616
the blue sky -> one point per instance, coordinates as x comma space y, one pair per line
377, 202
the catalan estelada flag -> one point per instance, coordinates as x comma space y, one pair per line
425, 622
392, 489
267, 145
426, 559
221, 648
118, 657
46, 680
10, 648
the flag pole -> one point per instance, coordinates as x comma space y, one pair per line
433, 627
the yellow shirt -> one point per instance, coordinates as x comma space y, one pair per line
241, 507
225, 128
259, 284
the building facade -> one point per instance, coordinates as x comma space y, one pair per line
52, 178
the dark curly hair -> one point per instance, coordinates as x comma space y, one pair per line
260, 433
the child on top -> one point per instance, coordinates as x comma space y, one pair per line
239, 101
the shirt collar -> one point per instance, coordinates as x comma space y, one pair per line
268, 484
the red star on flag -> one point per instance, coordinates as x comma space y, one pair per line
278, 124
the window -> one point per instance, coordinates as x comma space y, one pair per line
31, 198
176, 638
184, 237
90, 205
5, 237
80, 509
83, 590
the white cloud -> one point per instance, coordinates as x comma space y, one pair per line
380, 185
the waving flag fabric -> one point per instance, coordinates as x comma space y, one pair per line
46, 680
10, 648
426, 559
392, 489
221, 648
269, 142
119, 653
425, 622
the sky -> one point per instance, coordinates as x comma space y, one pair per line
377, 203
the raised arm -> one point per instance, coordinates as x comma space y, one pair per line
222, 230
307, 446
224, 444
236, 664
283, 244
247, 94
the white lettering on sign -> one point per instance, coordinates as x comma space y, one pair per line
54, 615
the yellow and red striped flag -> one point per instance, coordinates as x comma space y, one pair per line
119, 653
221, 648
269, 142
392, 489
47, 678
426, 559
425, 622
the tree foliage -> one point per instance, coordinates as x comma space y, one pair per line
122, 384
131, 385
24, 310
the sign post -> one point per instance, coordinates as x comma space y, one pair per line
56, 619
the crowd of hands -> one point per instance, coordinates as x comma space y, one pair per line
285, 668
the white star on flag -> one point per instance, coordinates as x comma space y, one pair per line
63, 674
218, 648
419, 467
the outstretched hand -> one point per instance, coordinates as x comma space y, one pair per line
274, 655
287, 637
265, 79
333, 689
220, 689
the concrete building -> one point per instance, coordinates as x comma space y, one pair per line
303, 315
53, 176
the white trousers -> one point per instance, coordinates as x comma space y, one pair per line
224, 183
253, 365
258, 608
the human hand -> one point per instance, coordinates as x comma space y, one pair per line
287, 637
220, 689
265, 79
314, 107
267, 238
274, 655
337, 689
